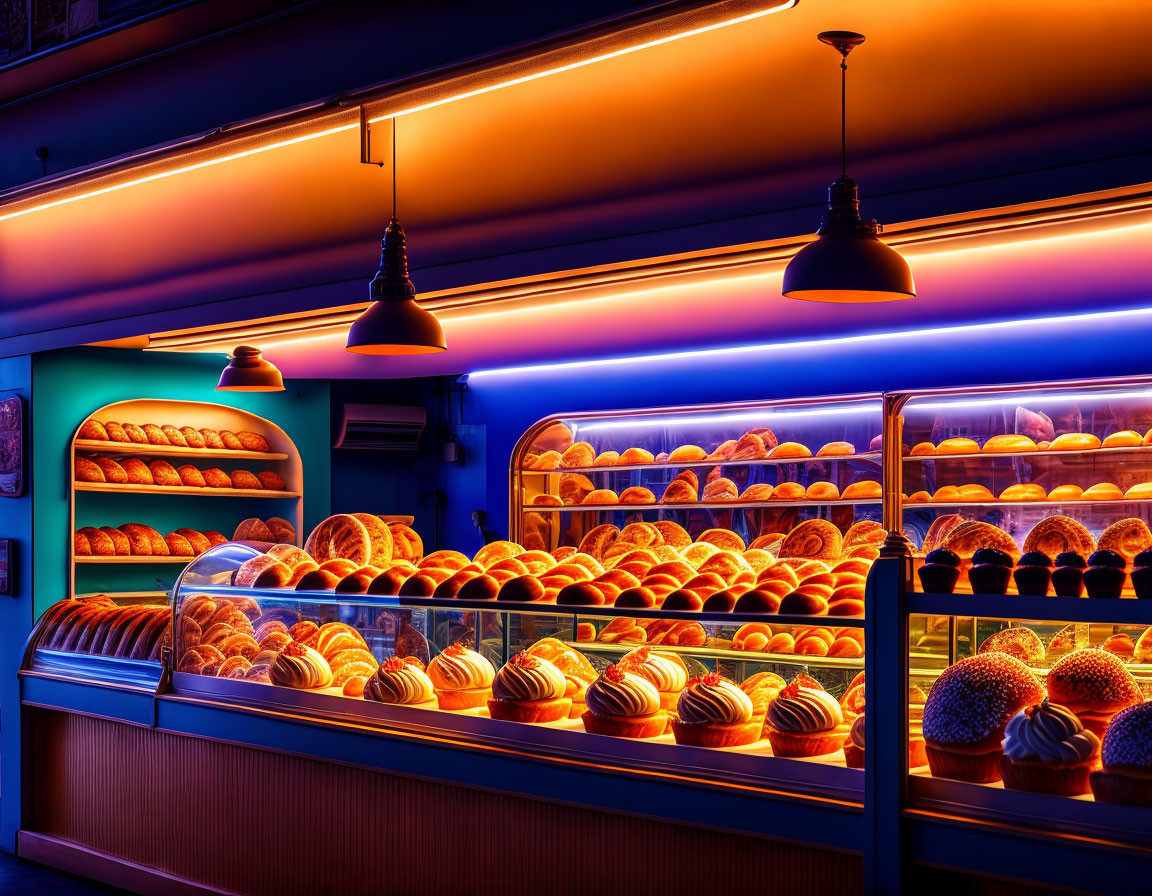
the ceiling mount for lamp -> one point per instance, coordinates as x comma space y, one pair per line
394, 324
847, 262
248, 371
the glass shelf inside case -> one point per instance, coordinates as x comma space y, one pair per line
755, 469
555, 679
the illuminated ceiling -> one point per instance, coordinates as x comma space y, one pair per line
722, 138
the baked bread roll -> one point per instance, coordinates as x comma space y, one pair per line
549, 460
102, 545
723, 539
1102, 491
135, 433
813, 539
759, 491
157, 546
163, 473
601, 496
606, 459
958, 446
283, 532
212, 439
198, 541
597, 541
720, 489
272, 481
975, 492
1008, 443
822, 491
214, 537
920, 497
381, 543
406, 543
922, 449
1025, 491
178, 545
579, 454
790, 449
1142, 491
749, 447
231, 440
723, 451
252, 441
94, 430
789, 491
866, 489
1074, 441
836, 449
318, 580
575, 487
547, 501
120, 541
969, 537
679, 492
116, 432
692, 453
113, 472
636, 456
216, 478
642, 534
251, 529
174, 436
192, 437
244, 479
190, 476
137, 471
88, 471
673, 534
155, 435
341, 536
1127, 538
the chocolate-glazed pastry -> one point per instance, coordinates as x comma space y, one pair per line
1104, 576
1033, 573
991, 571
1142, 574
1068, 576
940, 571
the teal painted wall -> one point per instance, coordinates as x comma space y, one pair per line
71, 384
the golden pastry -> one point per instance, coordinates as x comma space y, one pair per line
836, 449
1127, 538
789, 491
1102, 491
579, 454
1074, 441
863, 490
687, 454
814, 539
1065, 493
1008, 443
822, 491
1123, 439
922, 449
636, 456
958, 446
1025, 491
969, 537
637, 494
1059, 534
790, 449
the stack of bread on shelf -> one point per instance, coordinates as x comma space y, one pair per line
812, 570
135, 471
138, 540
172, 436
99, 626
1059, 556
1020, 444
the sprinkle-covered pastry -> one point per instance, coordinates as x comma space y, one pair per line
397, 681
1095, 685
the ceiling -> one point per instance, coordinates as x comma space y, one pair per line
717, 139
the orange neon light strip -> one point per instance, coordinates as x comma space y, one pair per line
135, 182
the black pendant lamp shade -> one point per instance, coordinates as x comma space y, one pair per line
394, 324
847, 262
247, 371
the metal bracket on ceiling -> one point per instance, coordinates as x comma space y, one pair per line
366, 141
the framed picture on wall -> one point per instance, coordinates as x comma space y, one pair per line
12, 452
7, 566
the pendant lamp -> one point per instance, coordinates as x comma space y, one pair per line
394, 324
247, 371
847, 262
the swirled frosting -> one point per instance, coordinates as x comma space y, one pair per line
802, 709
619, 692
1048, 733
664, 670
459, 668
298, 666
526, 677
399, 682
713, 699
856, 734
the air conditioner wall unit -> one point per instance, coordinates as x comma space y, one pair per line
380, 427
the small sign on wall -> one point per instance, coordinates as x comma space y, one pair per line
7, 566
12, 454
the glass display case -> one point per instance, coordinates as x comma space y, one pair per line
436, 663
1029, 635
756, 469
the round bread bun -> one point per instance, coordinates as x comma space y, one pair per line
1102, 491
606, 459
863, 490
1024, 491
673, 534
975, 492
494, 552
790, 449
801, 604
637, 494
679, 492
757, 600
1074, 441
92, 430
1126, 438
1020, 642
88, 471
958, 446
641, 597
580, 594
1008, 444
636, 456
724, 539
191, 477
789, 491
687, 454
920, 497
922, 449
598, 539
579, 454
482, 587
759, 491
113, 472
947, 494
389, 583
836, 449
1065, 493
601, 496
822, 491
1139, 492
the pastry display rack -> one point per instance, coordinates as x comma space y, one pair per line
101, 453
757, 469
580, 640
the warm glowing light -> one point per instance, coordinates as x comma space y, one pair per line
231, 157
834, 410
808, 344
1015, 399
